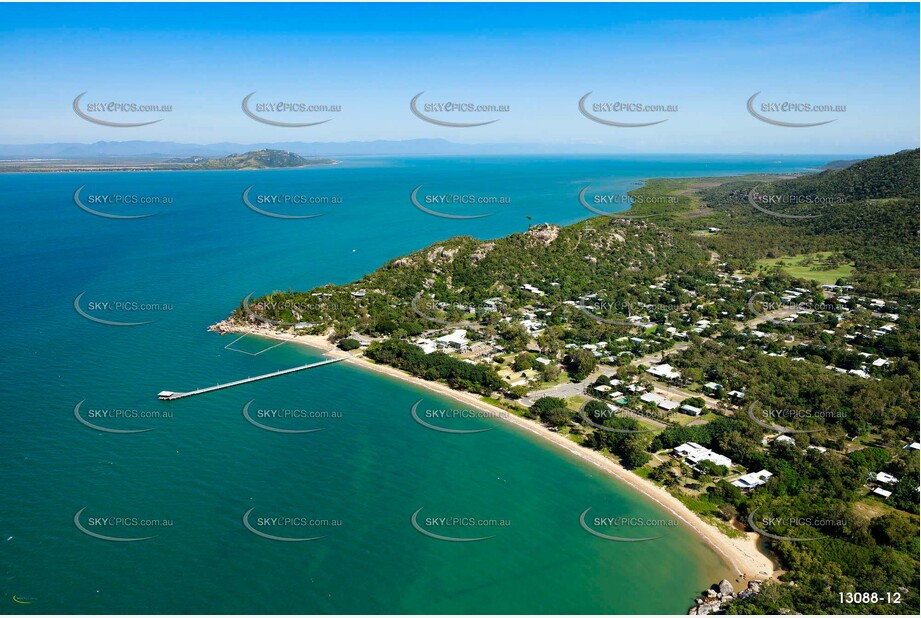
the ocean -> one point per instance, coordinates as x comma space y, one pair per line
189, 480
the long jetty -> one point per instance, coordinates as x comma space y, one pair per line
170, 395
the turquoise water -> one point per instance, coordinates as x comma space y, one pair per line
368, 470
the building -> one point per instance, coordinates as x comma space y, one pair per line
665, 371
533, 290
652, 398
691, 410
694, 453
668, 405
888, 479
428, 346
753, 479
882, 492
456, 341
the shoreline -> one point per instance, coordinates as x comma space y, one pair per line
75, 170
741, 555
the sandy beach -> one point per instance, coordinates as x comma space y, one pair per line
740, 554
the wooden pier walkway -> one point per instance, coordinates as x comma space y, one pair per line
170, 395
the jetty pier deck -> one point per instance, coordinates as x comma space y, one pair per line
170, 395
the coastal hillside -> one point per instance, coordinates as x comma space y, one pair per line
254, 160
733, 298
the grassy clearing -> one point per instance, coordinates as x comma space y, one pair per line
824, 266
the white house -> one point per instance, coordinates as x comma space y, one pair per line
664, 371
695, 453
428, 346
533, 290
457, 340
652, 398
879, 491
888, 479
752, 479
691, 410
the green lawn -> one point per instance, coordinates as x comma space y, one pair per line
809, 266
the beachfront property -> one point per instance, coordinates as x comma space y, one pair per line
692, 454
428, 345
455, 341
752, 479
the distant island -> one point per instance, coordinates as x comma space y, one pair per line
254, 160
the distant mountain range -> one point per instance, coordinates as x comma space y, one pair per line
165, 150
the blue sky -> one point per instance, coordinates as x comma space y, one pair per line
538, 59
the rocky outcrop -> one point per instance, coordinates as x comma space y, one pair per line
545, 233
713, 598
